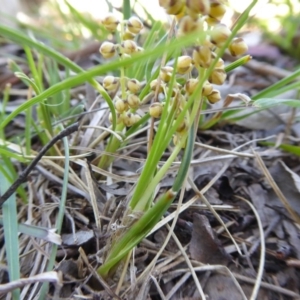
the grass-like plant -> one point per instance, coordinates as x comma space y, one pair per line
174, 71
184, 97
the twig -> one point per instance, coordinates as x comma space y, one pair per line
270, 228
96, 275
52, 276
276, 189
188, 262
262, 251
22, 178
161, 293
269, 286
178, 284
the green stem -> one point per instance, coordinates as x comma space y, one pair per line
126, 9
140, 198
136, 233
237, 63
43, 112
158, 177
113, 145
150, 218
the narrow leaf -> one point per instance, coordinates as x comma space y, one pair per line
10, 225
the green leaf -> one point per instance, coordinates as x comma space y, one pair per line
10, 154
10, 225
288, 148
274, 87
38, 232
269, 102
126, 9
91, 73
28, 81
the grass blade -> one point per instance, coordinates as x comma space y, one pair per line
91, 73
151, 217
38, 232
126, 9
281, 83
10, 225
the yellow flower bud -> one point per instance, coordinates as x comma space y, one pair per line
217, 10
214, 97
238, 47
119, 118
121, 105
181, 14
128, 35
128, 119
220, 34
133, 101
176, 140
110, 22
124, 55
218, 76
110, 83
202, 56
187, 25
154, 84
172, 7
155, 110
174, 92
191, 85
129, 47
207, 88
220, 64
107, 49
134, 86
135, 25
198, 6
211, 21
183, 126
136, 118
184, 64
166, 73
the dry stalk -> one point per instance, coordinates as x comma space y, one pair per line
276, 189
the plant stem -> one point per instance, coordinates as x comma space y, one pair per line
149, 219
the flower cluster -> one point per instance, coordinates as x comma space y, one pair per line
127, 105
204, 17
125, 108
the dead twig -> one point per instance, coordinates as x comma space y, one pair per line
44, 277
22, 178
